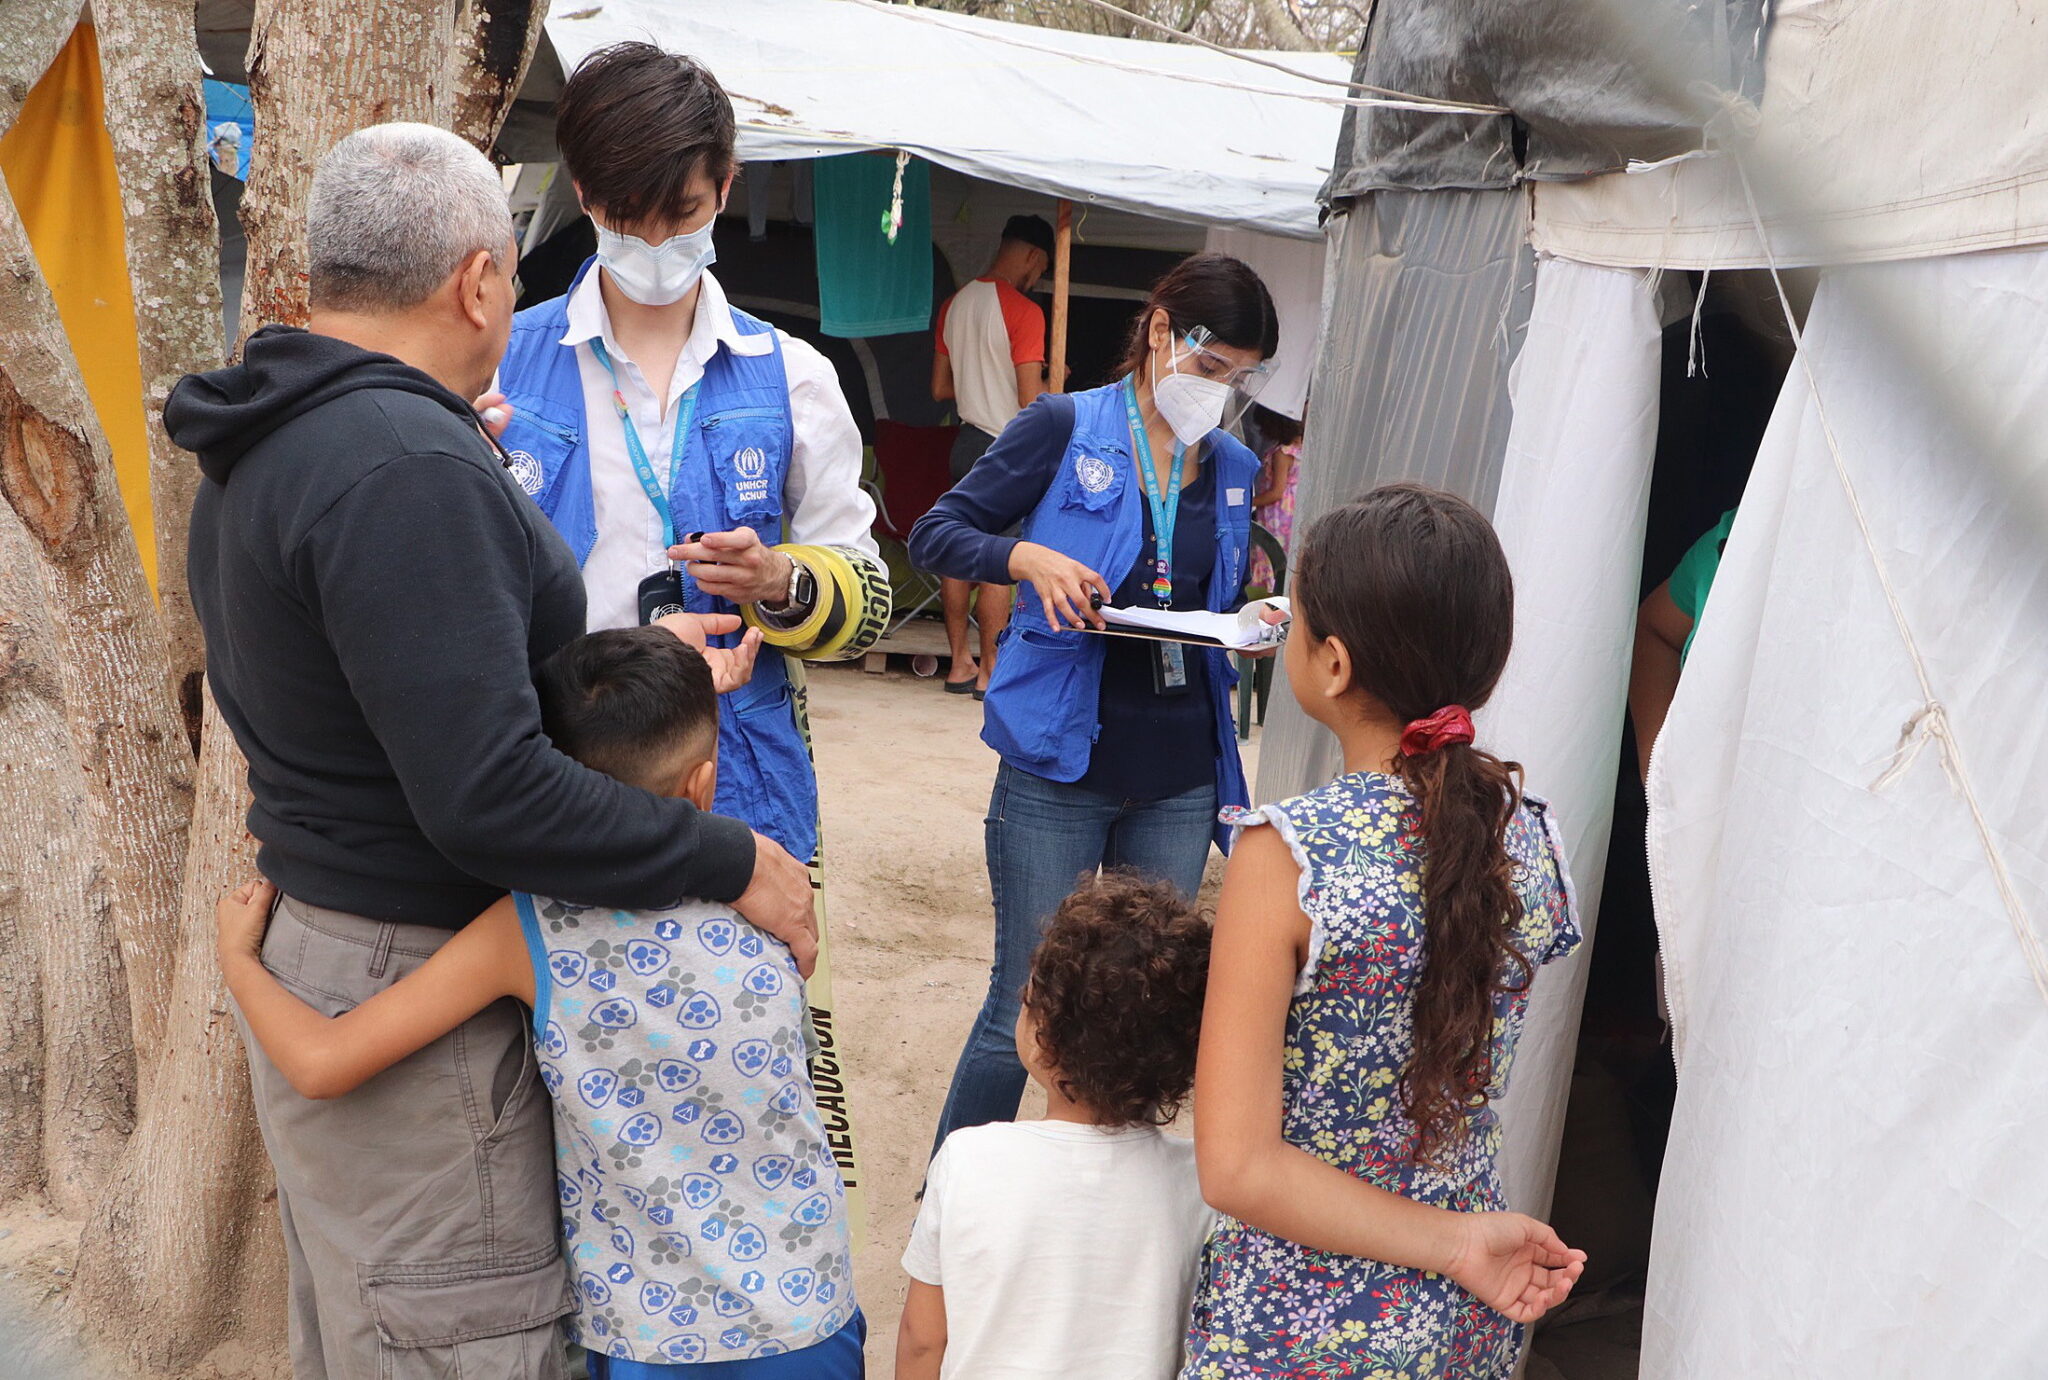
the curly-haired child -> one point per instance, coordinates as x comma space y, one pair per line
1068, 1246
1375, 942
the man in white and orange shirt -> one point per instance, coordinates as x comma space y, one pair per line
989, 360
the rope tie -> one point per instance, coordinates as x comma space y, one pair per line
1930, 723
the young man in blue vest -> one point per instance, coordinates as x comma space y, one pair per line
674, 439
696, 458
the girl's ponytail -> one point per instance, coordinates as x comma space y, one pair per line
1466, 797
1415, 585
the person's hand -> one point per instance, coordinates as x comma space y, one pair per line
779, 901
735, 565
1276, 618
730, 668
241, 919
1063, 583
1513, 1264
493, 413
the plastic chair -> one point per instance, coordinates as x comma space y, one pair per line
1255, 675
912, 467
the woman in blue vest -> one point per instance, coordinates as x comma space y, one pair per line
1115, 751
674, 440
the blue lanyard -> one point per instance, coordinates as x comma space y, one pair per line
641, 465
1165, 510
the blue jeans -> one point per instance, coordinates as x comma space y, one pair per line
1042, 836
839, 1357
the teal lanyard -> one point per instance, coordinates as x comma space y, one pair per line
649, 481
1165, 509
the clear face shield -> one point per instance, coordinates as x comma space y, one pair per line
1195, 356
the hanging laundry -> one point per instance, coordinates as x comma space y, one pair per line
866, 284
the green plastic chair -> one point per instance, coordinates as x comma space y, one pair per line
1255, 676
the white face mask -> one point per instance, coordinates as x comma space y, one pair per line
1192, 405
656, 275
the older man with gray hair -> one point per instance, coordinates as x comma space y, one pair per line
376, 592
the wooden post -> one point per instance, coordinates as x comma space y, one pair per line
1062, 261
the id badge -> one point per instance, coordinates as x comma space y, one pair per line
1169, 668
661, 594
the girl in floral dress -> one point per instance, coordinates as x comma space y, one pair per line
1373, 952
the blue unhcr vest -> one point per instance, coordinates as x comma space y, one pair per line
735, 464
1043, 697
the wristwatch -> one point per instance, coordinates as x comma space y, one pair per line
803, 591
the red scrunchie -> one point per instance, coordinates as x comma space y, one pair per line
1451, 724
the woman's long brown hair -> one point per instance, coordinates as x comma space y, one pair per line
1414, 583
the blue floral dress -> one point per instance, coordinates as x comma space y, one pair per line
1266, 1307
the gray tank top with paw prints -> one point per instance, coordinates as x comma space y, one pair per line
702, 1213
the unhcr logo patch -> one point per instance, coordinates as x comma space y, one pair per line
750, 468
526, 472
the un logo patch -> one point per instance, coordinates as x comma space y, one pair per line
1094, 472
526, 471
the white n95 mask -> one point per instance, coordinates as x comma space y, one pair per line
1192, 405
656, 275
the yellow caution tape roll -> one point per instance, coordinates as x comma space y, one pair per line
849, 615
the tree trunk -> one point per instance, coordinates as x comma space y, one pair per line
182, 1250
35, 32
64, 1036
58, 476
156, 115
320, 69
1279, 26
182, 1253
495, 43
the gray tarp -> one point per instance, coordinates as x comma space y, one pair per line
1425, 298
1564, 67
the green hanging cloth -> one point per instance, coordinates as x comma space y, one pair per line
868, 285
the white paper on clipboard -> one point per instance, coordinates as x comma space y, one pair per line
1242, 631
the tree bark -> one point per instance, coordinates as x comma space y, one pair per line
156, 115
58, 476
181, 1247
182, 1253
64, 1036
318, 70
495, 45
35, 32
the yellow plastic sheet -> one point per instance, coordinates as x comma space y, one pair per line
59, 165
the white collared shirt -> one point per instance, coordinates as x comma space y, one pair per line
823, 501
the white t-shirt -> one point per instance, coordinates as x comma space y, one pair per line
1065, 1250
987, 329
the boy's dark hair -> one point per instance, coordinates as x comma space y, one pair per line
634, 123
1414, 582
623, 701
1116, 993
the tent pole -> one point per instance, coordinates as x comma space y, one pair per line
1062, 257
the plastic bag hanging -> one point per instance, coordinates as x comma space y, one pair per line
892, 219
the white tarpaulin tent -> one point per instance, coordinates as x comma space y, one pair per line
1848, 849
1158, 129
1916, 129
1854, 1183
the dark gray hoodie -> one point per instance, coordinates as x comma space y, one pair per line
376, 593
